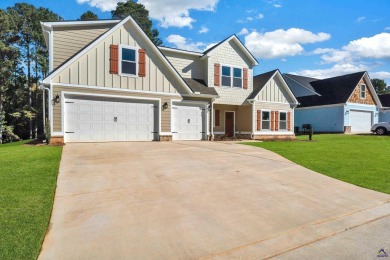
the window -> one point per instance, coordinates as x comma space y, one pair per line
363, 91
282, 121
265, 120
231, 77
128, 61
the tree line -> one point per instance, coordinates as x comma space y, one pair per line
24, 62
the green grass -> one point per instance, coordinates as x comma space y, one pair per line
363, 160
28, 177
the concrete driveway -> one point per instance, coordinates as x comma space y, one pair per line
203, 200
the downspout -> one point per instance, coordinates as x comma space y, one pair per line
43, 88
253, 116
212, 119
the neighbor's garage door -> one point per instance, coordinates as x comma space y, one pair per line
102, 119
188, 122
361, 121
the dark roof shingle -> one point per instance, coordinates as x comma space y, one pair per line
335, 90
385, 100
259, 82
199, 85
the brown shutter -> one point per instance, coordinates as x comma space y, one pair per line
276, 120
114, 59
141, 63
245, 78
258, 120
289, 121
272, 120
217, 76
216, 119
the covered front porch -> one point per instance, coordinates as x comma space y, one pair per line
232, 121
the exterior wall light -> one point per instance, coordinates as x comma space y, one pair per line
165, 106
347, 112
56, 100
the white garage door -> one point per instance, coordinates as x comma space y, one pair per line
103, 119
360, 121
188, 122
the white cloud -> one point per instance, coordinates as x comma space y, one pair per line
259, 16
176, 13
183, 43
277, 5
103, 5
377, 46
203, 29
169, 13
380, 75
281, 43
336, 70
360, 19
244, 31
387, 28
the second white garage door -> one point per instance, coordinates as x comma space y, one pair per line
360, 121
102, 119
188, 122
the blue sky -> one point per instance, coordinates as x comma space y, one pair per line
316, 38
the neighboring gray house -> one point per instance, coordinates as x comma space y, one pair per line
384, 112
346, 103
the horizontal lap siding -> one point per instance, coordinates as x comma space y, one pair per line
187, 66
327, 119
165, 114
92, 68
70, 41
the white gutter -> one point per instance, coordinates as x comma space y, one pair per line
43, 88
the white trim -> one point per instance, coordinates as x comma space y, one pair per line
51, 51
51, 109
113, 89
165, 133
279, 112
270, 119
105, 35
120, 73
273, 133
365, 91
273, 102
234, 122
78, 23
368, 83
166, 49
243, 133
103, 95
323, 106
219, 133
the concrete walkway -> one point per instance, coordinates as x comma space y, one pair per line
206, 200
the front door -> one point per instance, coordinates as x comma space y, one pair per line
229, 124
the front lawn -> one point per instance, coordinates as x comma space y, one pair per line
28, 177
363, 160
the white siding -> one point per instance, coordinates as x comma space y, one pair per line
273, 91
188, 66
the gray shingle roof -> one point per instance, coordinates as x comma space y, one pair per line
199, 85
302, 80
336, 90
385, 100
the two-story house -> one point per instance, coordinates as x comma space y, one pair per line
109, 82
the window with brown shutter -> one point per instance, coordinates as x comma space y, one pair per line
216, 119
289, 121
245, 78
258, 120
217, 68
141, 63
114, 59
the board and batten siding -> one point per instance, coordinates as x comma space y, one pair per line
93, 68
229, 54
273, 91
68, 41
188, 66
165, 114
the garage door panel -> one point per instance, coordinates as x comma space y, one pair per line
360, 121
188, 122
93, 120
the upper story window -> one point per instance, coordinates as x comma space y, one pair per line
231, 77
283, 120
363, 90
128, 62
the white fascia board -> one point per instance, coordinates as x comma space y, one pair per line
323, 106
166, 49
78, 23
373, 92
